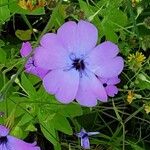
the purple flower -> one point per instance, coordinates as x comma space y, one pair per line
109, 85
76, 62
31, 66
85, 138
8, 142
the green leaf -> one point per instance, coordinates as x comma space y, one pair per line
2, 56
15, 8
62, 124
23, 35
47, 126
85, 7
18, 132
2, 43
26, 118
57, 17
4, 11
143, 81
113, 20
110, 3
135, 146
27, 85
71, 110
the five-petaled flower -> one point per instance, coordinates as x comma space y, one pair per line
31, 66
84, 136
8, 142
76, 63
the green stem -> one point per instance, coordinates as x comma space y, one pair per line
132, 15
24, 17
121, 122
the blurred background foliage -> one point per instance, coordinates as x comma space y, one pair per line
123, 122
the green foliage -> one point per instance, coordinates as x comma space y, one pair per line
4, 11
24, 103
23, 35
15, 8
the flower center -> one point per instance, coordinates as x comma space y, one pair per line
3, 140
84, 135
78, 64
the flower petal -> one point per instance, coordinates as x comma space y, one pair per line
63, 84
90, 89
67, 34
48, 39
52, 55
103, 60
107, 68
111, 90
25, 49
87, 36
30, 67
104, 50
3, 131
78, 38
85, 143
113, 81
110, 68
17, 144
93, 133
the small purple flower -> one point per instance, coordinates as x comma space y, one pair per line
8, 142
26, 49
76, 63
85, 138
110, 85
31, 66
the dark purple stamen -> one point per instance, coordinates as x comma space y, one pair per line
85, 135
105, 84
3, 140
78, 64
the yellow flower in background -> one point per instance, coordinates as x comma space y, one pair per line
135, 2
31, 4
138, 57
147, 108
130, 96
136, 60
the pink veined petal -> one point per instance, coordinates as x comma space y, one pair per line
25, 49
108, 68
78, 38
111, 90
3, 131
51, 57
17, 144
90, 89
64, 84
113, 81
